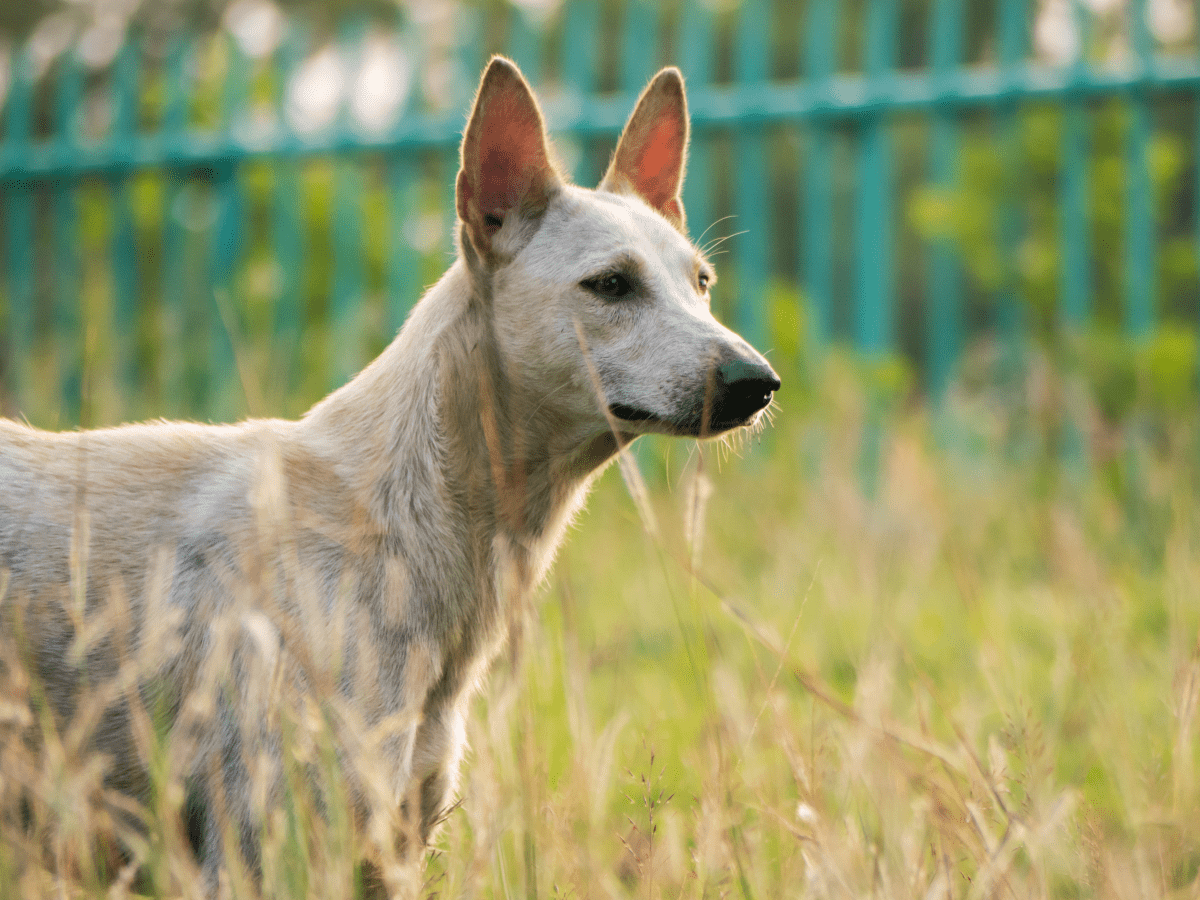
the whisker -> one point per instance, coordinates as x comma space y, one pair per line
710, 227
718, 241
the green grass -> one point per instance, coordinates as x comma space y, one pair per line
979, 682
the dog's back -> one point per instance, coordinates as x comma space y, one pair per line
94, 526
110, 502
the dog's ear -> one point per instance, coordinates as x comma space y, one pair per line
506, 165
652, 151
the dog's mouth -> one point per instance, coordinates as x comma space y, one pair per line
627, 413
686, 425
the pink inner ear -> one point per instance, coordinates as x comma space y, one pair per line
511, 154
656, 169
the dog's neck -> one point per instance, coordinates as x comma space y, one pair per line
459, 437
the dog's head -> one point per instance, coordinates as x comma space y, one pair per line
599, 294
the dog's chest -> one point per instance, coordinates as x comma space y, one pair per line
517, 565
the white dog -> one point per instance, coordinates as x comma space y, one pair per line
425, 498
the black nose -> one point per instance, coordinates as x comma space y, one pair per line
742, 389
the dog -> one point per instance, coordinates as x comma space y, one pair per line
423, 501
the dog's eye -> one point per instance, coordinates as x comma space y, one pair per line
611, 285
702, 281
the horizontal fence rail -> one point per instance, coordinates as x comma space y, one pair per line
175, 231
733, 106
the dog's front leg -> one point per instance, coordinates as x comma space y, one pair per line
441, 742
415, 746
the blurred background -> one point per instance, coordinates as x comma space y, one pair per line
212, 206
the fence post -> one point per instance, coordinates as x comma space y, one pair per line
227, 235
124, 242
525, 40
579, 46
943, 332
346, 296
1011, 313
18, 228
1073, 195
68, 331
816, 252
287, 228
468, 62
752, 50
1139, 191
177, 292
695, 60
404, 181
873, 235
1075, 241
1140, 260
639, 30
873, 226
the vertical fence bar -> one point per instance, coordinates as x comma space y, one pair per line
873, 234
405, 177
1013, 37
404, 263
346, 296
816, 231
1073, 198
175, 295
227, 235
64, 210
468, 63
579, 71
751, 61
873, 229
639, 30
1075, 285
1073, 192
346, 290
943, 325
122, 135
695, 60
1139, 191
525, 42
287, 229
18, 227
1140, 258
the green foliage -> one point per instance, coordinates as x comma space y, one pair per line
1003, 215
1155, 376
1009, 171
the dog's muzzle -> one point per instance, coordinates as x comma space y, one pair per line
740, 389
731, 395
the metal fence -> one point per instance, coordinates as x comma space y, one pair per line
174, 229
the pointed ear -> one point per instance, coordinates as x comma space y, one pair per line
652, 151
506, 168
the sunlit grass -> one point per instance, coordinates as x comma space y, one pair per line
981, 681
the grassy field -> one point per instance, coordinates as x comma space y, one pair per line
980, 681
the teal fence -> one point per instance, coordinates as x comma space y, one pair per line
184, 221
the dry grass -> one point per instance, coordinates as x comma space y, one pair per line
982, 682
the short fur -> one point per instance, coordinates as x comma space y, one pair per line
425, 498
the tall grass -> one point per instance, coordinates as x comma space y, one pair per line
980, 681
